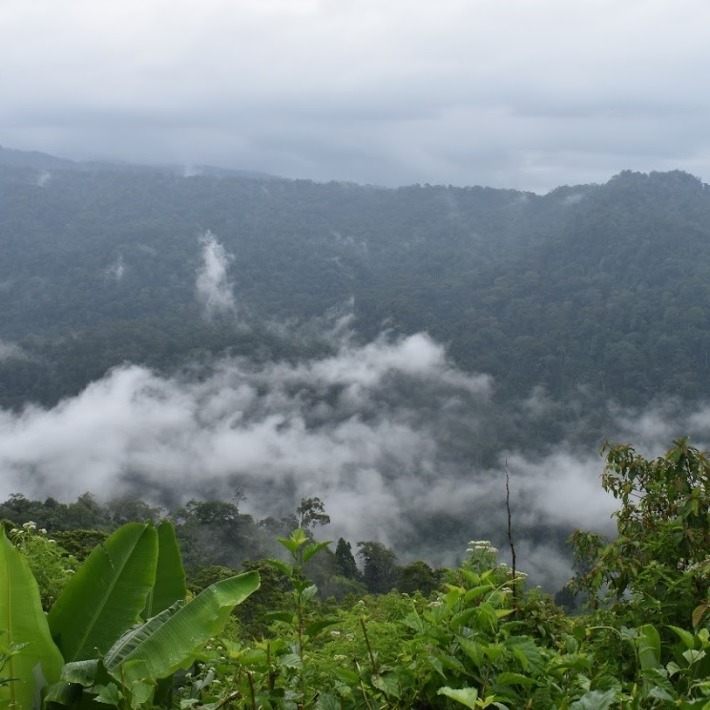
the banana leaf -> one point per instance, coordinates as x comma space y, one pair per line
107, 594
23, 625
169, 576
172, 639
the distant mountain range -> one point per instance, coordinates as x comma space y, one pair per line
43, 161
605, 287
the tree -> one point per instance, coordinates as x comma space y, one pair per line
86, 514
418, 577
135, 576
311, 512
381, 572
128, 509
661, 555
214, 532
345, 562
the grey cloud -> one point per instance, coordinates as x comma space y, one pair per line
116, 270
384, 432
214, 290
11, 350
364, 429
561, 488
527, 94
653, 429
257, 423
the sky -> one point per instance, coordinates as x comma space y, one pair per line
527, 94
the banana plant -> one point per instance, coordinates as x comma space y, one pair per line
129, 673
33, 660
119, 627
107, 593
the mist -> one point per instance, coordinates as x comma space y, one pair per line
10, 350
214, 290
374, 429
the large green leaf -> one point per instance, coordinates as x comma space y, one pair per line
169, 575
465, 696
23, 623
107, 594
649, 647
172, 639
595, 700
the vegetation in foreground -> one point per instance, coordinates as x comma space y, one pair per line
122, 630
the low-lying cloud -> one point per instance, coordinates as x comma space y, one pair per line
214, 290
116, 270
347, 421
10, 350
374, 430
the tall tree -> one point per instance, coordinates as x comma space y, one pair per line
381, 572
311, 512
345, 562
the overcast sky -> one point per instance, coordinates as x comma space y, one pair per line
528, 94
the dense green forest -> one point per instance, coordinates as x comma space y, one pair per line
92, 619
598, 286
282, 323
426, 365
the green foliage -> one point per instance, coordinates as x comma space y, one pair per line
277, 671
274, 593
119, 629
169, 641
345, 561
474, 636
381, 572
169, 585
29, 656
107, 594
304, 631
418, 577
660, 559
80, 543
215, 532
50, 514
51, 565
311, 512
476, 644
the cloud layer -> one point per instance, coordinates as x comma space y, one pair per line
374, 430
513, 93
214, 290
316, 424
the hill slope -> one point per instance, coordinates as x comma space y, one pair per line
604, 286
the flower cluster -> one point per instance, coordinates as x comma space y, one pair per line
478, 546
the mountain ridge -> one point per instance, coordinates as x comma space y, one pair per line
580, 286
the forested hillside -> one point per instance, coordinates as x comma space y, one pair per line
391, 351
601, 286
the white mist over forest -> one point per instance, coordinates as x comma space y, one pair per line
214, 290
366, 429
394, 353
